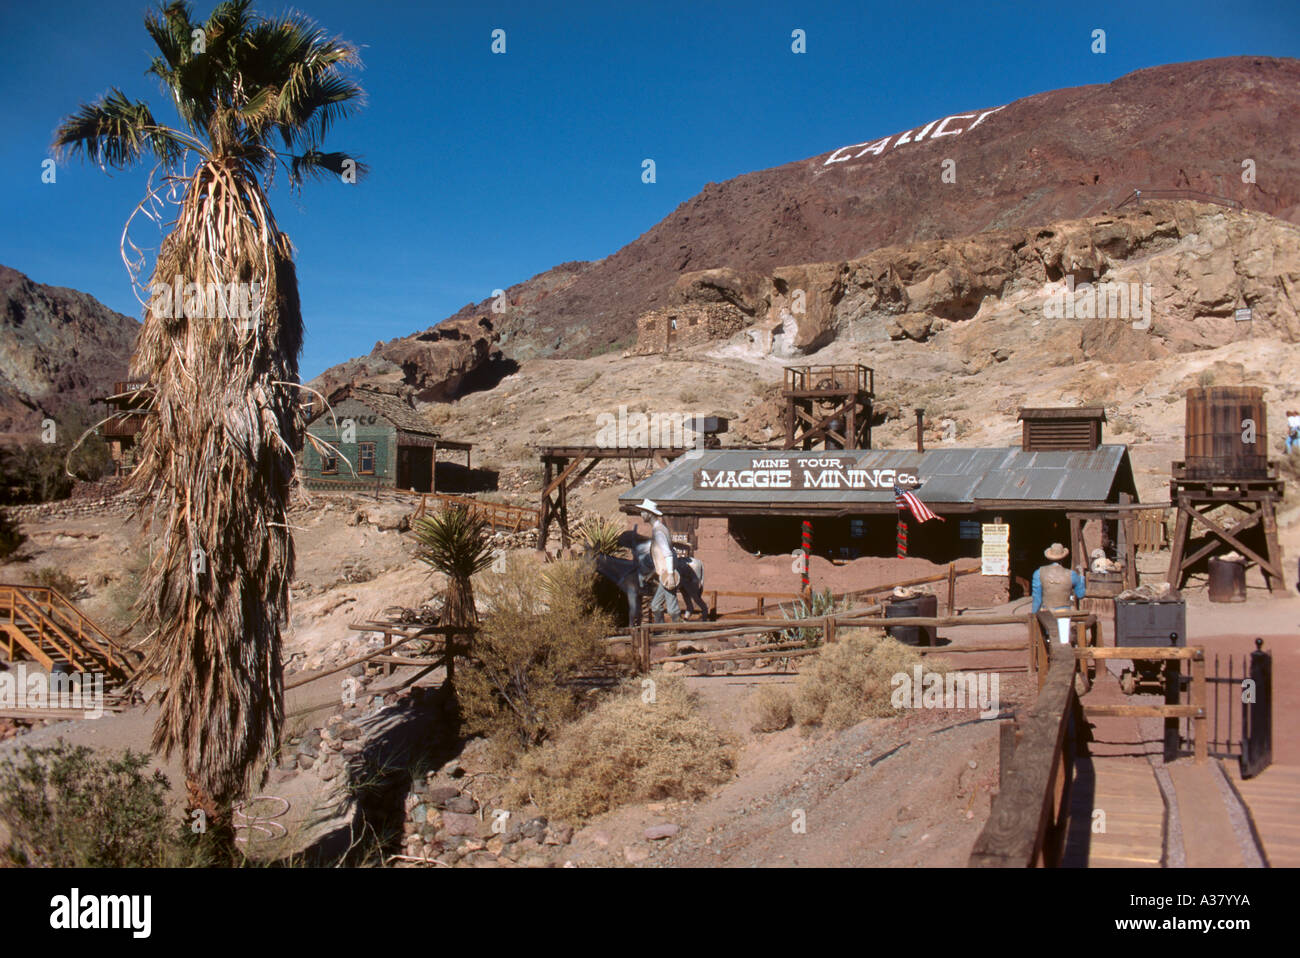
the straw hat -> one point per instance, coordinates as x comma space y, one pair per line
647, 505
1056, 552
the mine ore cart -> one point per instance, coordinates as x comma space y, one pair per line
1149, 622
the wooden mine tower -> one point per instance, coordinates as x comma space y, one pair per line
1226, 464
830, 405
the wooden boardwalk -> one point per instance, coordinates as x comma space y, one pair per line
1273, 798
1121, 817
1117, 815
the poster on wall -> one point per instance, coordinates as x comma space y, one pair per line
995, 549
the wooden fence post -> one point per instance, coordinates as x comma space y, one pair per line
1006, 749
828, 627
1033, 644
952, 588
1199, 727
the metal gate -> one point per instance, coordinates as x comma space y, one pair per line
1240, 710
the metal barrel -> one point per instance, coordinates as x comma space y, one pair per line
1227, 433
1227, 580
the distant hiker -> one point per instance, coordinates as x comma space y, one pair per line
659, 564
1053, 586
1292, 429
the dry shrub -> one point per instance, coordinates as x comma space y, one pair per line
773, 708
850, 679
626, 750
48, 577
542, 630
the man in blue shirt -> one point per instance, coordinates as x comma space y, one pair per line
1053, 585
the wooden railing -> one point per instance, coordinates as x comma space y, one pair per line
802, 379
643, 638
500, 515
1029, 818
406, 634
47, 625
764, 598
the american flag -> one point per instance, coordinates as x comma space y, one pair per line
908, 500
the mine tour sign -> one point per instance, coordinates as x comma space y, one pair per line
820, 472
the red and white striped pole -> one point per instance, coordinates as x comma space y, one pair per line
807, 552
902, 535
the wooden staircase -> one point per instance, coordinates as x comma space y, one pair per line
43, 625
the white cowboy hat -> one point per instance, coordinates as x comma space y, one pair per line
1096, 552
1056, 551
647, 505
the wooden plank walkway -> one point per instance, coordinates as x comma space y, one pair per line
1125, 791
1119, 778
1115, 778
1273, 798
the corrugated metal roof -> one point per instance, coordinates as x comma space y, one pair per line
964, 477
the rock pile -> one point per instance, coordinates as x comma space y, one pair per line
447, 825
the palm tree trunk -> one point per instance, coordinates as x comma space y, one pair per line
217, 458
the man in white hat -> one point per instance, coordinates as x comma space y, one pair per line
1053, 587
659, 564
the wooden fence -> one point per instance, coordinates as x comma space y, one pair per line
643, 638
765, 598
1029, 819
499, 515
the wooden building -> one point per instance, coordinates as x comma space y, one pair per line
377, 438
754, 501
126, 411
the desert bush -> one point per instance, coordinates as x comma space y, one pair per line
773, 707
633, 747
67, 807
10, 537
815, 606
48, 577
542, 631
850, 680
38, 471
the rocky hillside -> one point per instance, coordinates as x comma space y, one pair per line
435, 365
1057, 155
58, 349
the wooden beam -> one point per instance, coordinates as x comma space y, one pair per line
1027, 822
1144, 711
564, 474
1142, 652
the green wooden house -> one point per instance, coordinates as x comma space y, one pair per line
378, 438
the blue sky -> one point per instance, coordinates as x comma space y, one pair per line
490, 168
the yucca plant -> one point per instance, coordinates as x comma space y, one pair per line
817, 604
253, 95
602, 536
456, 544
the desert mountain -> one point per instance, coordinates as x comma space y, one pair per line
59, 348
1058, 155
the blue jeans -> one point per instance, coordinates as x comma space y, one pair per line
1291, 439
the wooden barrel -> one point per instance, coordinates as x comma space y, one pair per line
1220, 420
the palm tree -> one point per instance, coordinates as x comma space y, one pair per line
217, 454
456, 544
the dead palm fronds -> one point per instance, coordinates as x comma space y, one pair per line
220, 344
